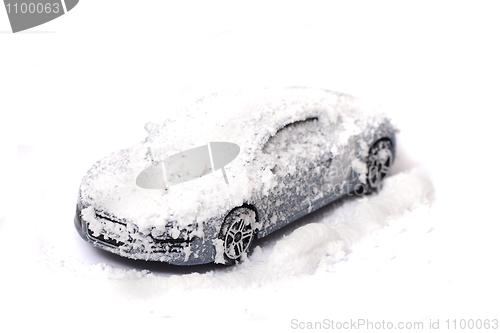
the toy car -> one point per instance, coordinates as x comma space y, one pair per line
283, 154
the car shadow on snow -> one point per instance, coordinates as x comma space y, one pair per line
156, 267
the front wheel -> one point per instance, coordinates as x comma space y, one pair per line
237, 233
380, 159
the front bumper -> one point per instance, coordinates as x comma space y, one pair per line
123, 239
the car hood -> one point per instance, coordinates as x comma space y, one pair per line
109, 189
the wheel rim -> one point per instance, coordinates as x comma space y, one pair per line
238, 238
380, 160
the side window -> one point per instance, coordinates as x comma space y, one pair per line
299, 144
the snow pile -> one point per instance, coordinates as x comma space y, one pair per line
323, 244
310, 247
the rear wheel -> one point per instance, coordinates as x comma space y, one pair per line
379, 162
237, 233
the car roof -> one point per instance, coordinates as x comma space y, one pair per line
246, 117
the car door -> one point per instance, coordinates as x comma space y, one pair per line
299, 158
345, 146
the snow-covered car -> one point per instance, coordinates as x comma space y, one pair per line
293, 151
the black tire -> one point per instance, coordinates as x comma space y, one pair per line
380, 158
237, 233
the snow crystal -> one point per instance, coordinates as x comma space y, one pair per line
360, 168
219, 251
89, 215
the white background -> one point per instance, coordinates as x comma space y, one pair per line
83, 85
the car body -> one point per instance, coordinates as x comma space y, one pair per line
298, 150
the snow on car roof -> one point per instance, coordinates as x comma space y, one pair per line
247, 118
